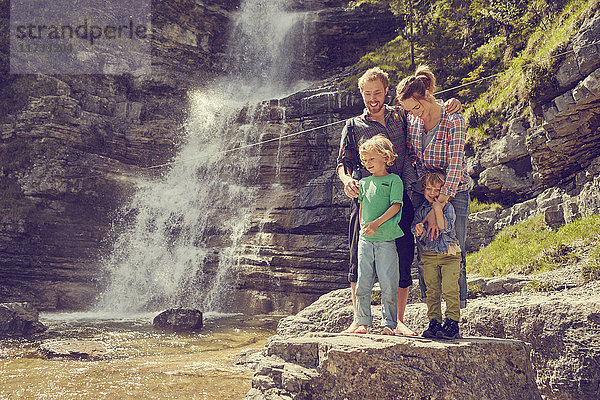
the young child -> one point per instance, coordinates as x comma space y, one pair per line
441, 260
380, 198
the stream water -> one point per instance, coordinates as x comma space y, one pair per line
142, 362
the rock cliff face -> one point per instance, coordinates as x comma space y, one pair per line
72, 147
560, 137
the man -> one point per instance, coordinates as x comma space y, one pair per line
378, 118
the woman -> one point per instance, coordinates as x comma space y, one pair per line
436, 141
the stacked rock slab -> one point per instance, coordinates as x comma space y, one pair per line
337, 366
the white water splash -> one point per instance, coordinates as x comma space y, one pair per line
197, 214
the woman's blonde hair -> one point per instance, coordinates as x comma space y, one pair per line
416, 85
381, 145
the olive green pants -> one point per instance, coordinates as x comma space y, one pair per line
441, 272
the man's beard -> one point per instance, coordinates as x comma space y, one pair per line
375, 110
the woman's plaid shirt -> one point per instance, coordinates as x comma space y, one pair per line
446, 151
362, 129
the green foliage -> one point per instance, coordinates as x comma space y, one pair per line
392, 58
376, 298
474, 290
540, 286
478, 206
543, 30
532, 247
591, 269
498, 49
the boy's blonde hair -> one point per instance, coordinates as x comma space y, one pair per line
381, 145
434, 178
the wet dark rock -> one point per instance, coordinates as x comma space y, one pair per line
179, 319
19, 319
75, 349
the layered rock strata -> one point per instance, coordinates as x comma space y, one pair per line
560, 137
330, 366
562, 327
73, 147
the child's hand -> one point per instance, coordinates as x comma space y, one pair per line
419, 228
436, 205
370, 228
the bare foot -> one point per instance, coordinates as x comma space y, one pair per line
351, 328
361, 329
386, 330
404, 330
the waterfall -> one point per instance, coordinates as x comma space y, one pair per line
183, 232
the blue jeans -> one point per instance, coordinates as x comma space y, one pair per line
461, 203
379, 258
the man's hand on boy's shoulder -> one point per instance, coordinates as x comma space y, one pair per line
351, 187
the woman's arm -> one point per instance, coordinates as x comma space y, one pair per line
455, 154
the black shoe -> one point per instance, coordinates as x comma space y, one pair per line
449, 330
434, 328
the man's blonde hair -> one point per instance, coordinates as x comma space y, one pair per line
373, 74
381, 145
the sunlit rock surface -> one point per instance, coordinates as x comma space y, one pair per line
563, 328
336, 366
75, 349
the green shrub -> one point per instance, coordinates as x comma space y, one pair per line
540, 286
474, 290
591, 269
531, 247
478, 206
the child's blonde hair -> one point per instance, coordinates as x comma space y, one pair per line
381, 145
434, 178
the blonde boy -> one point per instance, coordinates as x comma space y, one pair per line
380, 198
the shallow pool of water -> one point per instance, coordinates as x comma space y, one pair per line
142, 362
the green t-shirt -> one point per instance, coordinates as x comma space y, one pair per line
377, 194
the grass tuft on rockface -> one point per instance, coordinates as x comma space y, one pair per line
531, 247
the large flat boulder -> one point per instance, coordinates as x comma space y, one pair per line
563, 328
338, 366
